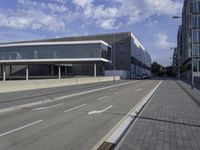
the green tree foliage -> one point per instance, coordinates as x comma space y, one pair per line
157, 69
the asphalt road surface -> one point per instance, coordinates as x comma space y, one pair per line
76, 122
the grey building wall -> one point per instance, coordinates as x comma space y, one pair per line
188, 40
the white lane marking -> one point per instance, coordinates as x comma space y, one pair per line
117, 92
138, 90
74, 108
99, 111
102, 98
22, 127
4, 110
42, 108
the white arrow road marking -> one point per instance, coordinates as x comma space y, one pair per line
102, 98
42, 108
22, 127
99, 111
74, 108
138, 90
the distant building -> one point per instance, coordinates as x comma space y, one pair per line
96, 55
188, 40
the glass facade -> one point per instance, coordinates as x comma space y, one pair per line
195, 6
196, 21
196, 66
195, 10
63, 51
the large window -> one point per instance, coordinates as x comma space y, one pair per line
195, 6
196, 36
196, 50
56, 51
196, 21
195, 66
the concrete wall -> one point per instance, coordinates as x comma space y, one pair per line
122, 73
11, 86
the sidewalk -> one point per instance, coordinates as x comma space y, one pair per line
171, 121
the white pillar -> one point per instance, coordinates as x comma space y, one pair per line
27, 72
4, 72
59, 72
95, 70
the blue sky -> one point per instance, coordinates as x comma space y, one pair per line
149, 20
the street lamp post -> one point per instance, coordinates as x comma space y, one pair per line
114, 72
192, 59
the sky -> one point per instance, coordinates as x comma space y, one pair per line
149, 20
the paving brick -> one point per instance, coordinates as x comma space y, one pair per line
170, 121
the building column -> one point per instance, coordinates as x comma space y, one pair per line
52, 70
65, 70
59, 72
4, 72
103, 69
95, 70
10, 70
27, 73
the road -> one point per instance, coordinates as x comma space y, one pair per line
79, 120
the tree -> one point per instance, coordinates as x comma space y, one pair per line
157, 69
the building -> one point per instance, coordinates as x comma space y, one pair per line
105, 54
175, 62
188, 41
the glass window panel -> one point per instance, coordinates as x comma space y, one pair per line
198, 6
195, 66
194, 35
55, 52
199, 66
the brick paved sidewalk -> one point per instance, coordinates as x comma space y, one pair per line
171, 121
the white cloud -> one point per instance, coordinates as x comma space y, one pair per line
107, 24
82, 3
162, 42
55, 15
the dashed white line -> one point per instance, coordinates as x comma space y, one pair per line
99, 111
42, 108
138, 90
74, 108
102, 98
22, 127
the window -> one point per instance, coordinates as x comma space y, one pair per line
199, 66
195, 66
198, 6
195, 36
195, 7
196, 50
195, 21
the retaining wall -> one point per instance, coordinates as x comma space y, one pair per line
11, 86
